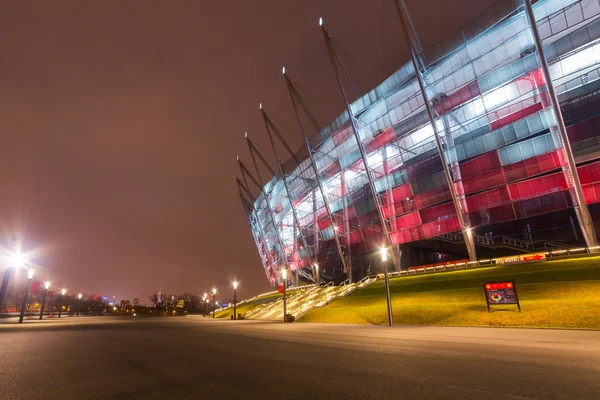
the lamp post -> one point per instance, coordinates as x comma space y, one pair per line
16, 260
387, 285
46, 287
284, 278
79, 296
235, 285
29, 278
62, 292
317, 277
213, 299
204, 303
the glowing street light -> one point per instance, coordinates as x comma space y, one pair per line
383, 252
284, 278
79, 296
214, 291
30, 273
16, 260
46, 287
235, 285
62, 292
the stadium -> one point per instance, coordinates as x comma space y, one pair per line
474, 157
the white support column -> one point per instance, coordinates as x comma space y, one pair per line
293, 96
333, 55
466, 232
581, 209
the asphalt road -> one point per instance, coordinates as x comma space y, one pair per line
195, 358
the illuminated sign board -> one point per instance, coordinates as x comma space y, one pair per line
521, 258
498, 293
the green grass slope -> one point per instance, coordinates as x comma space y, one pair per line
558, 293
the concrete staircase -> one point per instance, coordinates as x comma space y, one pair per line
301, 302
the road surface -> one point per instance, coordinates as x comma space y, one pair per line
196, 358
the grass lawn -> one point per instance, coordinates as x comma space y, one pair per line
559, 293
244, 308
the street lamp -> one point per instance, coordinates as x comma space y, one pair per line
235, 285
46, 287
16, 260
213, 299
204, 296
62, 292
79, 296
383, 252
29, 278
317, 277
284, 278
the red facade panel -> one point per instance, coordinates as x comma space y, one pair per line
435, 228
478, 165
406, 221
537, 186
535, 165
543, 204
355, 237
384, 138
437, 212
486, 180
584, 130
589, 173
591, 193
462, 95
401, 192
490, 216
424, 167
433, 196
492, 198
342, 135
513, 116
332, 170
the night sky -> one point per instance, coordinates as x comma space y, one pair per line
121, 122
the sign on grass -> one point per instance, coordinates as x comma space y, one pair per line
501, 293
521, 258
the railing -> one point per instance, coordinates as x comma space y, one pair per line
518, 243
452, 237
483, 240
344, 283
556, 246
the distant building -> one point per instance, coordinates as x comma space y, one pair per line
125, 305
136, 302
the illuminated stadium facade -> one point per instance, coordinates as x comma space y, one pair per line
491, 176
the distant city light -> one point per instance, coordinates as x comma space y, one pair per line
47, 285
283, 70
30, 272
79, 296
63, 291
321, 21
